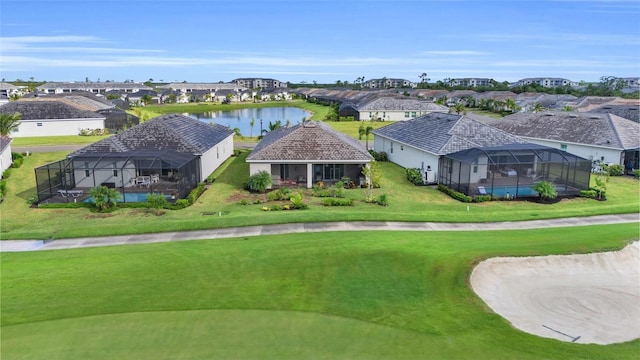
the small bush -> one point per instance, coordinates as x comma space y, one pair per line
180, 204
455, 194
414, 176
195, 193
6, 174
379, 156
482, 198
637, 173
337, 202
280, 194
615, 170
244, 202
297, 201
156, 201
259, 181
545, 189
383, 200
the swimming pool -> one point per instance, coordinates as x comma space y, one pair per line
502, 191
130, 197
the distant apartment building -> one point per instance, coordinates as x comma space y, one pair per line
386, 83
259, 83
186, 87
630, 82
90, 86
546, 82
470, 82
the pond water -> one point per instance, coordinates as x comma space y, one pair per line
241, 118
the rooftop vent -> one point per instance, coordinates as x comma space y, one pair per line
548, 114
594, 117
573, 116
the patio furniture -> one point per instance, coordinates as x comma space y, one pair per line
155, 178
482, 190
143, 181
74, 193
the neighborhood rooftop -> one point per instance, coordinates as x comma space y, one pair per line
168, 132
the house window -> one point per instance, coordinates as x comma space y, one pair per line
333, 171
86, 169
217, 153
413, 114
115, 169
284, 171
406, 114
563, 147
391, 150
38, 124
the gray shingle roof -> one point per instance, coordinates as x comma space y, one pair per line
389, 103
52, 110
168, 132
441, 134
581, 128
308, 141
631, 112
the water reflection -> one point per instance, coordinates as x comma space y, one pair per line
242, 119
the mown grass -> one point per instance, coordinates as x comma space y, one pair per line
408, 292
406, 203
56, 140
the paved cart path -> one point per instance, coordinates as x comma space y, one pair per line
36, 245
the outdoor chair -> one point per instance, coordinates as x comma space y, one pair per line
482, 190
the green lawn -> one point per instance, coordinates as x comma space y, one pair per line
19, 221
315, 295
56, 140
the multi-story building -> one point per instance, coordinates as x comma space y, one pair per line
92, 87
546, 82
386, 83
259, 83
470, 82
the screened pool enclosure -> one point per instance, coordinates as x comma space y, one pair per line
171, 173
511, 171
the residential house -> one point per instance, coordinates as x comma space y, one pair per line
170, 154
259, 83
186, 87
5, 154
135, 99
396, 109
51, 118
476, 159
421, 142
7, 90
91, 86
308, 152
595, 136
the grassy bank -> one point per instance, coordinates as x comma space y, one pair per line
406, 203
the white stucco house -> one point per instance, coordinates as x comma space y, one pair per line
170, 153
5, 154
389, 108
600, 137
51, 118
421, 142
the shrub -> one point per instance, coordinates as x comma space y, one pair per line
104, 198
455, 194
259, 181
6, 174
244, 202
482, 198
297, 201
545, 189
379, 156
615, 170
280, 194
156, 201
637, 173
337, 202
591, 193
414, 176
195, 193
383, 200
181, 204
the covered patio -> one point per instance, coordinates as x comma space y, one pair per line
510, 171
133, 173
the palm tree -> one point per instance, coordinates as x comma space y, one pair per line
537, 107
459, 108
146, 99
365, 131
9, 122
104, 198
510, 104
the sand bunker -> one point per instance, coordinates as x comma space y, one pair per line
589, 299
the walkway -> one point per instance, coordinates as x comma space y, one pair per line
34, 245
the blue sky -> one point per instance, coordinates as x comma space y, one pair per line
323, 41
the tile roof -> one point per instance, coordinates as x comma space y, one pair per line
30, 109
441, 134
582, 128
308, 141
389, 103
631, 112
168, 132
